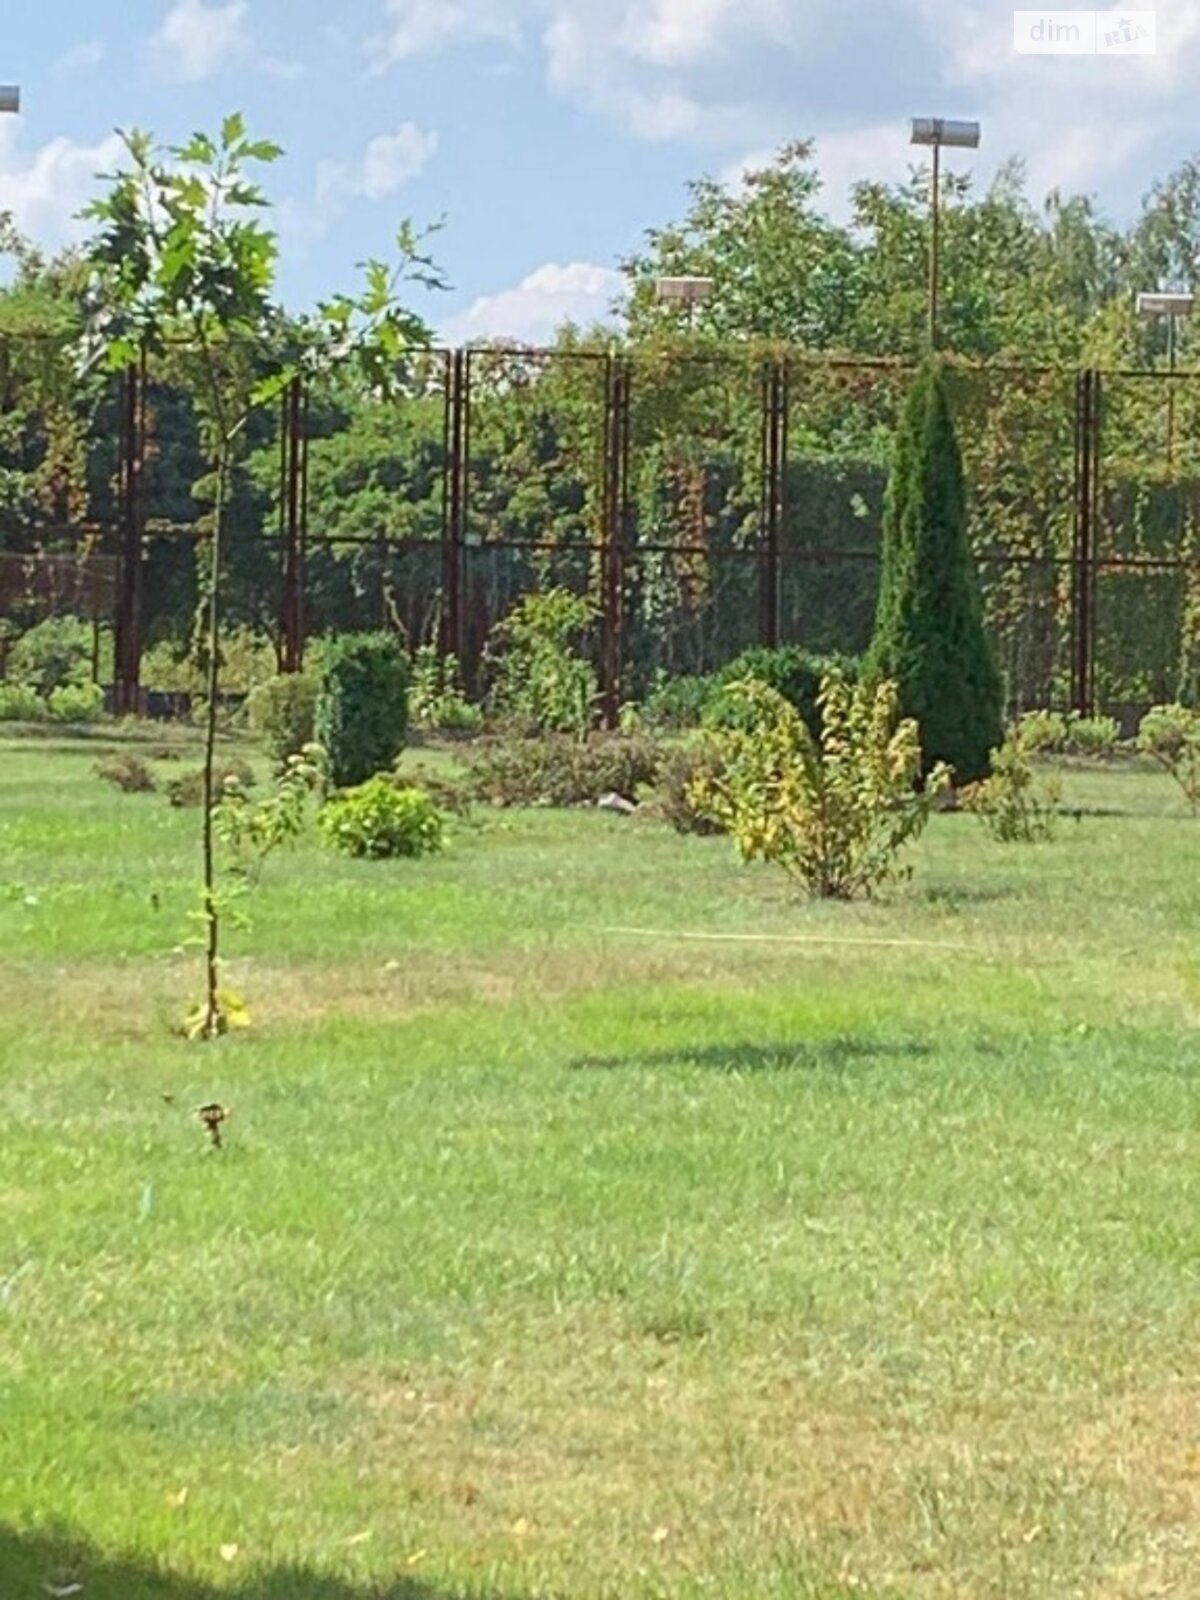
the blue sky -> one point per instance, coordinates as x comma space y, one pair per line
551, 133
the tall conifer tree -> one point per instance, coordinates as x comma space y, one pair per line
929, 634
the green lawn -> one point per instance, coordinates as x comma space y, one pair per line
556, 1253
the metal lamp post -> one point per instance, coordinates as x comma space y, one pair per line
1174, 307
938, 133
688, 292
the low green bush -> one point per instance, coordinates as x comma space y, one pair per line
362, 708
793, 673
21, 703
436, 701
379, 821
1171, 735
559, 770
187, 790
1043, 732
460, 716
1061, 733
675, 705
283, 713
127, 772
834, 814
52, 655
76, 703
1014, 805
687, 770
247, 659
543, 683
1093, 736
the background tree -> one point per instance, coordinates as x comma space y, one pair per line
783, 271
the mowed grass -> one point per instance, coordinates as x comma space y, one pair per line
554, 1252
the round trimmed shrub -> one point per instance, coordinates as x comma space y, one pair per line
794, 673
283, 711
379, 821
76, 703
20, 702
362, 708
54, 653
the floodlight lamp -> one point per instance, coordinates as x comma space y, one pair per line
1165, 305
948, 134
684, 291
10, 98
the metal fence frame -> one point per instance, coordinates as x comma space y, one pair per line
617, 546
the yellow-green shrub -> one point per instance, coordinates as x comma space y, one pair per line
834, 815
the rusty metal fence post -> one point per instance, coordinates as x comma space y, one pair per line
1084, 563
774, 494
131, 556
617, 425
293, 497
455, 495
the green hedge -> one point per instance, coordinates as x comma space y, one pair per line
362, 708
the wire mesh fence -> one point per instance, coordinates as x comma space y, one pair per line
703, 500
1147, 539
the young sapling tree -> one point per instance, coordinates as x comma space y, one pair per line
183, 267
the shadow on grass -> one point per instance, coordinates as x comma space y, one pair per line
1177, 813
840, 1054
950, 897
34, 1565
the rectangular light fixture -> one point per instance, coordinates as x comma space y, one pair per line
684, 291
1166, 305
940, 131
10, 97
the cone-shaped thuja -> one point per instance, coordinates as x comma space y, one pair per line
929, 634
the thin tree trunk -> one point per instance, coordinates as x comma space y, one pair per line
212, 1012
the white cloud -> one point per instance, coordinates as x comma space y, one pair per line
661, 117
386, 164
662, 69
196, 40
674, 33
533, 312
46, 190
80, 58
731, 75
389, 162
665, 69
284, 68
421, 27
1080, 122
391, 159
